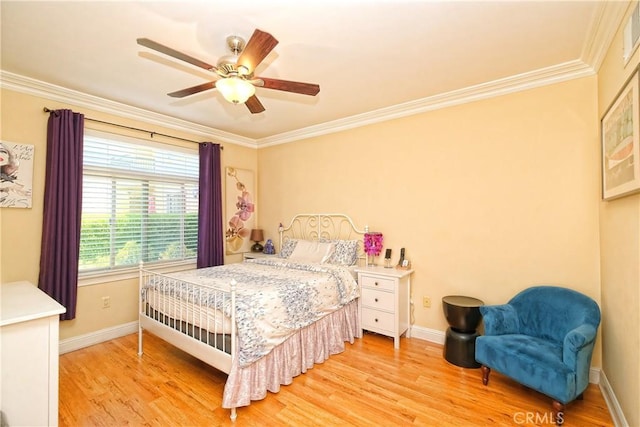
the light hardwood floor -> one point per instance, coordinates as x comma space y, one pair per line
368, 384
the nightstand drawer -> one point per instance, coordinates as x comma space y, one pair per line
381, 300
378, 283
373, 320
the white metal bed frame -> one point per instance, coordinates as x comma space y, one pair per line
184, 330
322, 226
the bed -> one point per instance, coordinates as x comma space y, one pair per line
266, 320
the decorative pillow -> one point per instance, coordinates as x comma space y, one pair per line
287, 247
312, 251
345, 253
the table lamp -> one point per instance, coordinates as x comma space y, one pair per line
257, 236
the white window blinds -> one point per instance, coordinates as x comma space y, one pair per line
140, 202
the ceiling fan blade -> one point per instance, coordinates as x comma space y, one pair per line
192, 90
174, 53
254, 105
289, 86
257, 48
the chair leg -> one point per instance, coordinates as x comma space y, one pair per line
485, 374
558, 411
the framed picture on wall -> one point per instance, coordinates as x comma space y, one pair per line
620, 142
16, 174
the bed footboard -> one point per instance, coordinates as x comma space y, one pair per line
188, 316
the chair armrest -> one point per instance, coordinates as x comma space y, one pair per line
499, 319
579, 337
576, 353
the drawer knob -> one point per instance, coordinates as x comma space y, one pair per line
375, 283
376, 300
376, 320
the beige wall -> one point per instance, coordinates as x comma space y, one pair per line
23, 121
620, 261
488, 198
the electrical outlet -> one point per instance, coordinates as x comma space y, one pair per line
106, 302
426, 302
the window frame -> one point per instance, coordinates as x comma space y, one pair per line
124, 273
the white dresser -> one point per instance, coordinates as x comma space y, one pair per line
29, 321
384, 301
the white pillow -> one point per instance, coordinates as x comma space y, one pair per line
312, 251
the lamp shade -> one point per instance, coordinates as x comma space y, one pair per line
235, 90
257, 235
373, 241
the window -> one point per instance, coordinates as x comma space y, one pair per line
140, 202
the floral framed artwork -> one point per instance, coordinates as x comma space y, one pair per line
240, 210
16, 175
620, 142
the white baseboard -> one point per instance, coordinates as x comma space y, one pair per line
431, 335
594, 375
612, 402
86, 340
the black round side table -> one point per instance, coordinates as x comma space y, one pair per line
463, 315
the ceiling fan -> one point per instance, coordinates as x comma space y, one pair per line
236, 81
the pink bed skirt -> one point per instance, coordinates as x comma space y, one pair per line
313, 344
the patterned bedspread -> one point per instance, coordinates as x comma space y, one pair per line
274, 298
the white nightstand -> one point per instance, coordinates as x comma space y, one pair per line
254, 255
384, 301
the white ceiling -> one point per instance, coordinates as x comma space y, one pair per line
371, 58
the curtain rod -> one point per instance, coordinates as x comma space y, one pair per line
151, 133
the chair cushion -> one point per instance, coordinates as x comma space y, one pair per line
534, 362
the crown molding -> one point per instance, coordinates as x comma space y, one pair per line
546, 76
52, 92
604, 25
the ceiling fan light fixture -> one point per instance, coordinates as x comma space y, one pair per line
243, 70
235, 89
235, 73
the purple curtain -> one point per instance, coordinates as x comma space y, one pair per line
210, 224
60, 247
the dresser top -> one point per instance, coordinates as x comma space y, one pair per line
23, 301
383, 271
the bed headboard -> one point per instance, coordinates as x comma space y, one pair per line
322, 226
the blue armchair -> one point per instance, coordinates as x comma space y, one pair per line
542, 338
